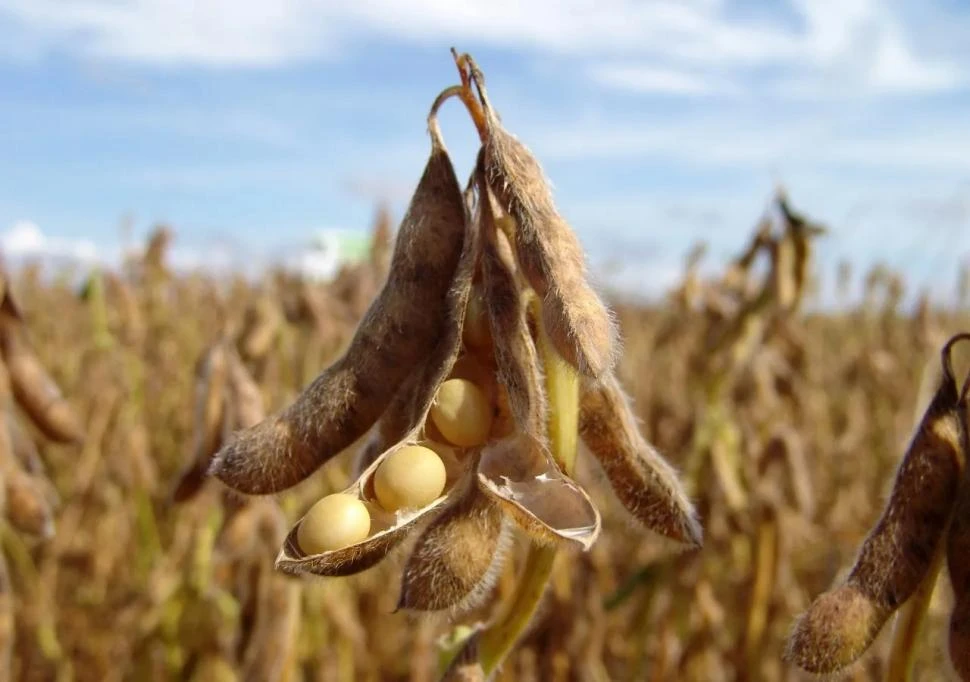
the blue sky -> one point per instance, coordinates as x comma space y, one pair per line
250, 125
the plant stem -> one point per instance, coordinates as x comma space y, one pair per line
468, 97
562, 388
910, 619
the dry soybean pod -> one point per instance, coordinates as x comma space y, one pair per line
388, 529
27, 505
515, 353
407, 406
457, 558
33, 388
896, 555
958, 567
643, 481
26, 500
577, 321
211, 388
402, 323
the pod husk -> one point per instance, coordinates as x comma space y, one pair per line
896, 555
643, 481
32, 387
406, 319
392, 529
411, 405
523, 479
838, 628
958, 566
457, 556
515, 353
580, 326
923, 495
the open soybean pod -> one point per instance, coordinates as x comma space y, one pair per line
643, 481
402, 323
32, 387
896, 556
385, 529
579, 324
520, 475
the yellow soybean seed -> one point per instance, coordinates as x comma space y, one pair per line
335, 521
409, 478
462, 413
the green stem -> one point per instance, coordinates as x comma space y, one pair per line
562, 388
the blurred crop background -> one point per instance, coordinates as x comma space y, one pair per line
173, 174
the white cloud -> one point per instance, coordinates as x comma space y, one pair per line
647, 78
212, 33
749, 141
896, 69
859, 41
24, 239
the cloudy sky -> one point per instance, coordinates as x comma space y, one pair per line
249, 125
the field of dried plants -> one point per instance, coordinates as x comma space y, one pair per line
470, 342
787, 428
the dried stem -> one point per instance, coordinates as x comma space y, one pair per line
443, 96
910, 619
562, 386
766, 568
468, 97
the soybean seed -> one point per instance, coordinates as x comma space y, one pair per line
462, 413
410, 478
335, 521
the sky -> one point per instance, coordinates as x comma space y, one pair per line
249, 126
